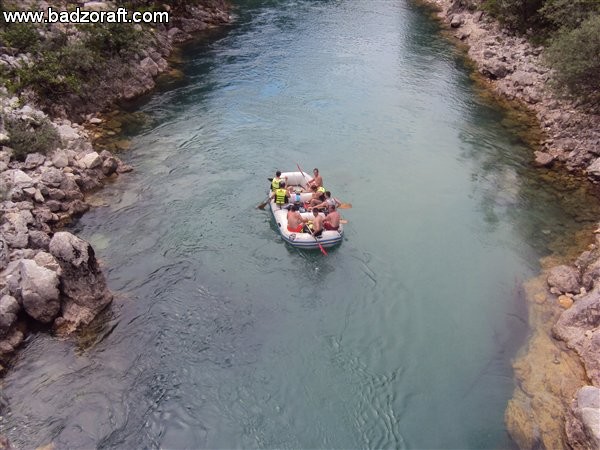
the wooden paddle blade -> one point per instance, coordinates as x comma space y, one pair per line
345, 206
262, 205
343, 221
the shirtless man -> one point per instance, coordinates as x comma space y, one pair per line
317, 224
317, 180
328, 202
332, 221
295, 220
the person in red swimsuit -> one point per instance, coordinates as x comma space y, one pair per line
332, 221
295, 220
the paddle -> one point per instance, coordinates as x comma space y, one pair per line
343, 221
301, 171
319, 244
345, 206
263, 204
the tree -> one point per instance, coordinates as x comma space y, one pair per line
574, 56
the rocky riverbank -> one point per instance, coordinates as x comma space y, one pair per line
556, 403
48, 276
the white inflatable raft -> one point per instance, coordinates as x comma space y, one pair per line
327, 239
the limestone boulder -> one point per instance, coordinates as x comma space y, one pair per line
39, 291
9, 308
82, 282
564, 279
34, 160
583, 420
579, 328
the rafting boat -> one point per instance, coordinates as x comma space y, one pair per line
328, 238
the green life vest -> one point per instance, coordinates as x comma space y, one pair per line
321, 190
280, 195
275, 183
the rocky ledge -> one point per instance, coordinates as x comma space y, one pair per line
556, 403
50, 277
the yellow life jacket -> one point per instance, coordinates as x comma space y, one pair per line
275, 183
321, 190
280, 195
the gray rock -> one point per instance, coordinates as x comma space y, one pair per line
16, 177
39, 239
149, 66
583, 419
52, 177
60, 159
588, 397
594, 168
109, 166
78, 207
56, 194
44, 259
543, 159
83, 284
494, 69
4, 253
34, 160
9, 308
521, 78
67, 132
95, 121
457, 21
565, 279
15, 230
91, 160
579, 327
54, 205
39, 291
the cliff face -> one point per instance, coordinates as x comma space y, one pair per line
556, 403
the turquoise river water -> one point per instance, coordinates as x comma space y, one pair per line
221, 335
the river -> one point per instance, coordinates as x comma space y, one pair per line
221, 335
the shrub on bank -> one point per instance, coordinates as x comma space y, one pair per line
31, 137
575, 56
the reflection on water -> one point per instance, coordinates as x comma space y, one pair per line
221, 335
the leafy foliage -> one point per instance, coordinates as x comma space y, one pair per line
112, 39
568, 14
575, 56
22, 36
60, 72
36, 137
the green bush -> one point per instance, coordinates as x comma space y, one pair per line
22, 36
516, 14
25, 138
61, 72
574, 56
112, 39
568, 14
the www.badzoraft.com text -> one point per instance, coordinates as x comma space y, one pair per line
121, 15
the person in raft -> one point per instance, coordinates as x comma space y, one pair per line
280, 195
332, 221
317, 197
317, 224
277, 180
328, 202
295, 220
317, 180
